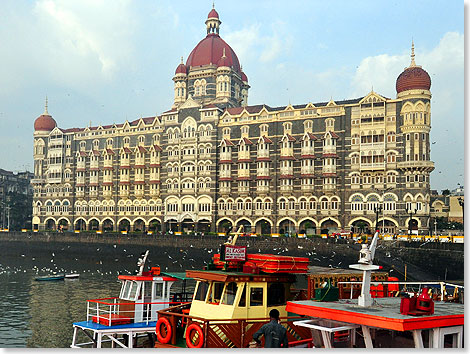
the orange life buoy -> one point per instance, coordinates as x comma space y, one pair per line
167, 336
200, 338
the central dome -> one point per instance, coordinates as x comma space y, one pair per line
210, 50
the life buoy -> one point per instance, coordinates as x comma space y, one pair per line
200, 338
167, 331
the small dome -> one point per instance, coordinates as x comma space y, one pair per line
45, 123
213, 14
413, 78
244, 77
181, 69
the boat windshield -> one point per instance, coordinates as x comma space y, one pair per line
201, 292
215, 292
230, 291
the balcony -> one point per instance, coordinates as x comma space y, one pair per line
263, 154
225, 156
329, 187
263, 172
307, 188
262, 189
307, 152
287, 171
373, 166
429, 165
243, 173
37, 180
191, 157
81, 166
310, 170
139, 192
328, 150
287, 188
224, 190
243, 189
243, 155
329, 169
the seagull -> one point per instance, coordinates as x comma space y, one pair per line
434, 142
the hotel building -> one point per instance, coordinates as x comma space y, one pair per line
213, 162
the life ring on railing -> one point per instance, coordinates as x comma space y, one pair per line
200, 336
167, 331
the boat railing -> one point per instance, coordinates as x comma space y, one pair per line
114, 310
231, 332
392, 288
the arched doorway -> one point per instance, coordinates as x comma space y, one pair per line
225, 226
139, 225
204, 226
124, 225
307, 227
329, 226
93, 225
80, 225
63, 225
108, 225
246, 225
387, 227
171, 225
413, 226
263, 227
188, 226
360, 227
50, 224
287, 227
155, 225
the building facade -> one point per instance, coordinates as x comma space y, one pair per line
213, 162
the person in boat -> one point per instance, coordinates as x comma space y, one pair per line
275, 335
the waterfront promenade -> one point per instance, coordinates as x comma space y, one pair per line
425, 260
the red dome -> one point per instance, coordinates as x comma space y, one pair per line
210, 50
413, 78
244, 77
213, 14
181, 69
44, 122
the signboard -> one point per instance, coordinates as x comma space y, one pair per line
235, 253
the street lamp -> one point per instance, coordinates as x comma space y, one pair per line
435, 227
383, 191
411, 212
461, 201
377, 209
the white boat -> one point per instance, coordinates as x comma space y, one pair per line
72, 276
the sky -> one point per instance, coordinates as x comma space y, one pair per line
105, 61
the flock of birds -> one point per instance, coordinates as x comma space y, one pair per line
170, 260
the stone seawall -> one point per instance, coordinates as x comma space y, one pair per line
425, 261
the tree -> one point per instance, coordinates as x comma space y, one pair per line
445, 192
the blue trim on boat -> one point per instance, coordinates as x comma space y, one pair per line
97, 326
50, 277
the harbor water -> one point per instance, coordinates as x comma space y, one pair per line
39, 314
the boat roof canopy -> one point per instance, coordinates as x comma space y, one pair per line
213, 275
177, 275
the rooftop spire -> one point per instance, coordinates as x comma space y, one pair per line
412, 53
45, 108
223, 55
181, 60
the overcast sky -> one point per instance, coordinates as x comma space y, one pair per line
111, 60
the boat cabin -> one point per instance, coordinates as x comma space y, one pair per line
227, 295
141, 296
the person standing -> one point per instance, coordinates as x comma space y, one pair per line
275, 335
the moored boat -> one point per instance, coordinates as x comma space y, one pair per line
50, 277
415, 319
232, 300
120, 321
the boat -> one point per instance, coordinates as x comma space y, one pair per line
420, 319
121, 321
232, 300
50, 277
72, 276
